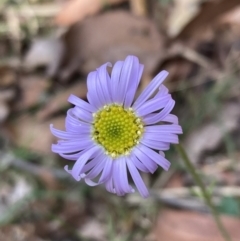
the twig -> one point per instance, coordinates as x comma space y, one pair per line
183, 192
189, 54
36, 169
138, 7
41, 10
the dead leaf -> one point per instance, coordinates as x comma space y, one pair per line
8, 77
21, 232
13, 194
108, 38
190, 226
181, 14
75, 10
88, 44
32, 90
231, 17
59, 101
4, 111
139, 7
7, 94
34, 135
207, 16
219, 169
99, 233
214, 133
44, 52
175, 181
178, 68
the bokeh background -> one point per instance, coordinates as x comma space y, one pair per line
47, 48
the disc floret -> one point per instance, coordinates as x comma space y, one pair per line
117, 129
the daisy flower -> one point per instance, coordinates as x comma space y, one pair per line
112, 135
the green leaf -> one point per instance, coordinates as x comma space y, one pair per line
230, 206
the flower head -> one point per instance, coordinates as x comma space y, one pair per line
111, 134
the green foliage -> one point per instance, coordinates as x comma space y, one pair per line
230, 206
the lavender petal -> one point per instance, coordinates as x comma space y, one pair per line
163, 90
137, 179
95, 96
75, 156
154, 84
82, 114
65, 134
171, 119
165, 137
104, 80
109, 186
81, 103
125, 77
138, 164
153, 105
117, 178
157, 145
74, 120
107, 170
134, 76
161, 115
70, 146
146, 161
79, 164
174, 129
160, 160
115, 78
124, 178
97, 168
92, 163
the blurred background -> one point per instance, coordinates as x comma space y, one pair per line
47, 48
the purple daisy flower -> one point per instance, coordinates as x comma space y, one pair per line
111, 134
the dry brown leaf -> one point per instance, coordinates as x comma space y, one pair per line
76, 10
190, 226
7, 94
175, 181
8, 77
59, 101
99, 233
209, 13
181, 14
4, 111
34, 135
213, 132
108, 38
12, 194
231, 17
138, 7
44, 52
105, 38
178, 68
22, 232
32, 90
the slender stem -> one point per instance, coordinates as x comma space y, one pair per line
205, 193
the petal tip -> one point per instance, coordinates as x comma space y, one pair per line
166, 168
77, 178
71, 96
67, 169
165, 72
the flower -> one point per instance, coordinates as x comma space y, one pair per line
111, 134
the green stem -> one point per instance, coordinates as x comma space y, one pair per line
205, 193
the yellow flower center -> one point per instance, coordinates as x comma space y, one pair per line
117, 129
